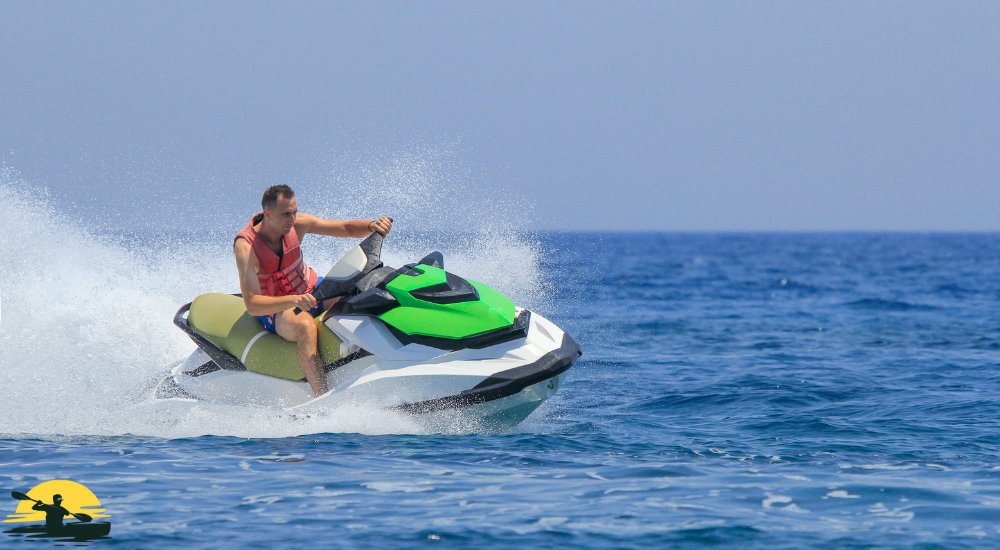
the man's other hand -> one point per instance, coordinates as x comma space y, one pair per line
381, 225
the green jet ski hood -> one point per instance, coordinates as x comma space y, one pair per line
435, 303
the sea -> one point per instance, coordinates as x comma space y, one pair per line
736, 390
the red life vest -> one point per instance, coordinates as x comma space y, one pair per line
282, 276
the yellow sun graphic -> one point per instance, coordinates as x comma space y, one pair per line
76, 498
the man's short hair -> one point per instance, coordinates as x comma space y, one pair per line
272, 193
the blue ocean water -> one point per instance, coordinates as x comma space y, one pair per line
736, 390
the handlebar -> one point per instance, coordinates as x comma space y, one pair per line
320, 299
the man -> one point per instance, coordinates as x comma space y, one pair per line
54, 513
275, 279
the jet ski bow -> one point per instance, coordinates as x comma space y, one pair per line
417, 339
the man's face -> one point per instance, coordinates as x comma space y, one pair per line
282, 217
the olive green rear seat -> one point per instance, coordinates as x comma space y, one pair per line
224, 321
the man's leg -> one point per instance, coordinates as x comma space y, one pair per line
301, 329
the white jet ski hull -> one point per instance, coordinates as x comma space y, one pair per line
499, 385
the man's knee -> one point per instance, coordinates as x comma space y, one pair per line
295, 328
304, 326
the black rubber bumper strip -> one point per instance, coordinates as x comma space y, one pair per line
222, 358
506, 383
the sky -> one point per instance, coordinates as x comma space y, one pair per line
620, 116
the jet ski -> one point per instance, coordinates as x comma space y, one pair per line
416, 339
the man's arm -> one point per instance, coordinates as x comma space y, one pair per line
307, 223
257, 304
